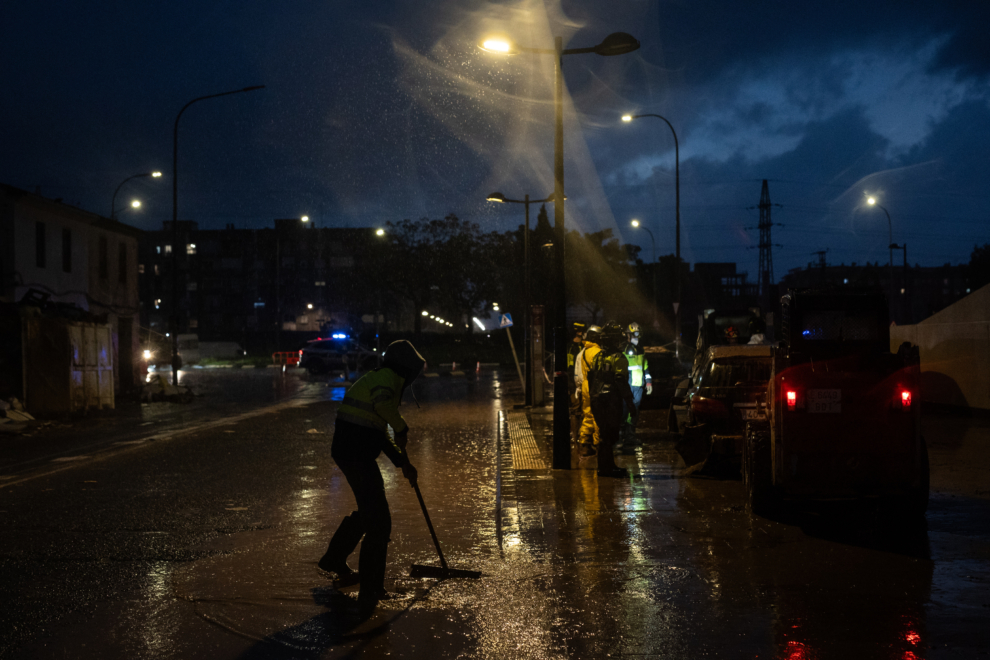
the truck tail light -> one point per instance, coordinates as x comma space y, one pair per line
791, 400
906, 399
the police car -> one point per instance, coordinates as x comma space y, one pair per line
338, 352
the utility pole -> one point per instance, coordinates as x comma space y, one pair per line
821, 264
766, 247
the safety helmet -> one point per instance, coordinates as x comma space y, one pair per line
611, 335
593, 334
577, 328
633, 328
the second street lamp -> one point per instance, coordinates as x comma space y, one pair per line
113, 201
617, 43
175, 225
677, 242
530, 369
872, 201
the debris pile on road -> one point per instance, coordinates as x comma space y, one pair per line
159, 389
13, 417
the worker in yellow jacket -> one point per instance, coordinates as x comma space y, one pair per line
640, 380
370, 406
588, 437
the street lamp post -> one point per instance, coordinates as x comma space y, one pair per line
113, 201
677, 215
175, 226
656, 264
617, 43
872, 201
499, 197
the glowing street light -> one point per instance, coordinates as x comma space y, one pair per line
872, 201
379, 232
617, 43
677, 222
305, 218
134, 204
636, 224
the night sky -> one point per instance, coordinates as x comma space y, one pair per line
378, 111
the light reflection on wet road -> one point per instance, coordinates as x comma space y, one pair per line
206, 549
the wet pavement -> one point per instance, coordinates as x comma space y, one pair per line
202, 543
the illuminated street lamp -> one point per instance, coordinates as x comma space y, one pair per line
617, 43
677, 222
872, 201
638, 225
175, 226
134, 204
502, 199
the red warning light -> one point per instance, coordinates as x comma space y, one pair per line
791, 399
906, 399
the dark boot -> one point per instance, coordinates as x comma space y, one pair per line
342, 544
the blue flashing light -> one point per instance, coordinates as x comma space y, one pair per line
339, 335
806, 333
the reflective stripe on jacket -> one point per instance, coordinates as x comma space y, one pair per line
638, 366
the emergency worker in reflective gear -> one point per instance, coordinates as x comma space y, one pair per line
608, 384
577, 343
370, 406
639, 380
588, 436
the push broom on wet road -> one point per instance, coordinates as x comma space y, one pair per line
443, 571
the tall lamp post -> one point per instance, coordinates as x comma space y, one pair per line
175, 226
502, 199
872, 201
677, 243
617, 43
113, 202
656, 265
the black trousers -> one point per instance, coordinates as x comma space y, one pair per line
372, 520
608, 416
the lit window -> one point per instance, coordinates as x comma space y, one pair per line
190, 248
141, 269
168, 249
158, 249
902, 292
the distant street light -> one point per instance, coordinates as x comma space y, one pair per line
502, 199
872, 201
135, 203
656, 265
617, 43
677, 242
175, 226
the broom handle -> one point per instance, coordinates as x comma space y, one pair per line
426, 514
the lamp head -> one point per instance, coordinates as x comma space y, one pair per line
498, 45
496, 197
627, 118
635, 223
379, 232
871, 200
305, 218
156, 174
617, 43
136, 204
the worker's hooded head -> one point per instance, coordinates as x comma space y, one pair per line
403, 359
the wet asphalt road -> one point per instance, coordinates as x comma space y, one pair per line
202, 544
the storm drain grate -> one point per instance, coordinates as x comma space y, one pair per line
525, 453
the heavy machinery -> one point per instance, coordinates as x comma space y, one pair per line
841, 418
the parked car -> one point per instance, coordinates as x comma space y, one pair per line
666, 372
338, 352
724, 395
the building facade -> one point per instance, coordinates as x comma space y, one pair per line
64, 256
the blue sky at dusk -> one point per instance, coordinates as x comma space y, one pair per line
384, 111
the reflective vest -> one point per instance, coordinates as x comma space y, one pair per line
373, 401
638, 366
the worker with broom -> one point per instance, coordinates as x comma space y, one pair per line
370, 406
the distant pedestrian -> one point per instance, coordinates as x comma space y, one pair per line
588, 434
573, 349
640, 380
370, 406
608, 384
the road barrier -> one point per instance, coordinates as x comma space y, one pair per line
290, 358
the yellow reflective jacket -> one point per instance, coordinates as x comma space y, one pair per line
638, 366
370, 406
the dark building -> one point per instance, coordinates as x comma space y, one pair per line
918, 291
258, 287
